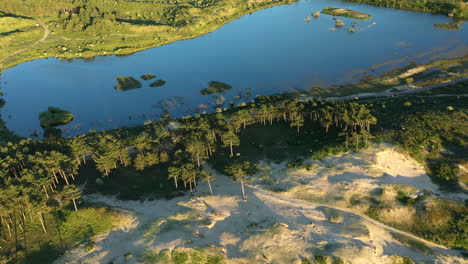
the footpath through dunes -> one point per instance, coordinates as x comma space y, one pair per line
266, 228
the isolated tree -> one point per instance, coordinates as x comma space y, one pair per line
241, 171
208, 177
230, 139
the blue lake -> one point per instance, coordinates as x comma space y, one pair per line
270, 51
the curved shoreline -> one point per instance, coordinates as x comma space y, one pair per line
209, 27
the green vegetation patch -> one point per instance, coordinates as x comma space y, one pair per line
209, 255
65, 229
148, 76
94, 28
397, 80
456, 8
158, 83
216, 87
343, 12
127, 83
55, 116
450, 26
412, 243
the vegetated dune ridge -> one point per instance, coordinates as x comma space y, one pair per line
268, 227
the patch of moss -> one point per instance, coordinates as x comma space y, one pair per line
55, 116
343, 12
216, 87
127, 83
148, 76
158, 83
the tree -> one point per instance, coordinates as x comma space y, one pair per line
189, 174
175, 173
143, 161
71, 192
80, 148
297, 121
241, 117
241, 171
197, 149
230, 139
104, 163
207, 176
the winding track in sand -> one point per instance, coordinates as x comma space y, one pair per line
433, 245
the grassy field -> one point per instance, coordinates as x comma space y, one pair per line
101, 27
16, 34
64, 230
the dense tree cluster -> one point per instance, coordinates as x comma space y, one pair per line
37, 176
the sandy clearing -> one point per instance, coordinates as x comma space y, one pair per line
267, 228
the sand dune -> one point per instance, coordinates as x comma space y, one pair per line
267, 227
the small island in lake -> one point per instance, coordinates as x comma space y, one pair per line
216, 87
127, 83
158, 83
55, 116
343, 12
450, 26
148, 76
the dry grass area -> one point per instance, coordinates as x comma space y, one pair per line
17, 34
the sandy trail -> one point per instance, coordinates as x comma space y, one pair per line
243, 228
44, 37
388, 93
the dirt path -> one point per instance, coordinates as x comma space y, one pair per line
44, 37
384, 94
434, 246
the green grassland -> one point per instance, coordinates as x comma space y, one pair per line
16, 34
65, 229
100, 27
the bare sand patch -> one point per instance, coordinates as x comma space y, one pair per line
268, 227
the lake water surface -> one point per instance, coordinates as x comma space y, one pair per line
270, 51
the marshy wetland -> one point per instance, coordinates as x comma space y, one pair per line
269, 51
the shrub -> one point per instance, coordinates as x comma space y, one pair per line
55, 116
446, 172
407, 104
